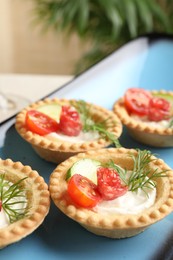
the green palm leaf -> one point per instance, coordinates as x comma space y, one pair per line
106, 24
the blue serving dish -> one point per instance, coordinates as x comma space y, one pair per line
145, 62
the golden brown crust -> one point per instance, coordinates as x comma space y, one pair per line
59, 150
115, 225
38, 201
141, 131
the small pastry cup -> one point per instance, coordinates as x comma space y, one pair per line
37, 197
58, 150
113, 225
142, 131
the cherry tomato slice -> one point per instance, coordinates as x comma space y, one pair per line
137, 101
70, 121
109, 184
159, 109
83, 191
40, 123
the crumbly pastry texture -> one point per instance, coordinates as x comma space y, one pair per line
58, 150
38, 201
113, 225
141, 131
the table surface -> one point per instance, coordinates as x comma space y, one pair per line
31, 87
23, 89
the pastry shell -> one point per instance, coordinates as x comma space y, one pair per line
142, 131
58, 150
38, 201
113, 225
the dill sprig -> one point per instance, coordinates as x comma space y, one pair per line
122, 172
171, 123
89, 124
11, 196
141, 175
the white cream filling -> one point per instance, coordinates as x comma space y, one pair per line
81, 138
129, 203
4, 219
161, 124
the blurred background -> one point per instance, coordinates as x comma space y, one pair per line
26, 48
68, 36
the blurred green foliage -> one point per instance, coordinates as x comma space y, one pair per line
106, 24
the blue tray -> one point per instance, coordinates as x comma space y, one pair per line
146, 62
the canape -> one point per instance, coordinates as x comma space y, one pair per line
60, 128
113, 192
24, 201
148, 116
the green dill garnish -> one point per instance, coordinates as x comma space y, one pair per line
89, 124
141, 175
171, 123
11, 196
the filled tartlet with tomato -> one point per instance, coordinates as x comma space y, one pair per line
148, 116
60, 128
113, 192
24, 201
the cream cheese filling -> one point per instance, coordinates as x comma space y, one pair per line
4, 219
81, 138
132, 202
160, 124
129, 203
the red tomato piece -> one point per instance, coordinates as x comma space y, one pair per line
83, 191
70, 121
109, 184
137, 101
0, 205
159, 109
40, 123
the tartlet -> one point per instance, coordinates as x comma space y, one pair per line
143, 131
36, 197
57, 150
114, 225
